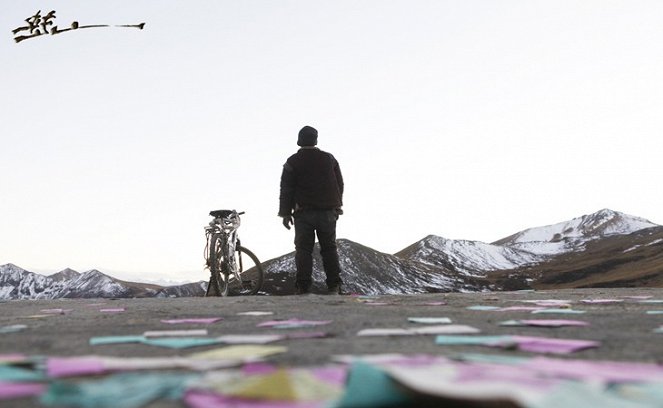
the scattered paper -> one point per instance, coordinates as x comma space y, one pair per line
170, 342
203, 320
429, 320
255, 313
293, 323
654, 312
490, 358
13, 328
122, 390
519, 308
549, 302
544, 323
442, 329
13, 358
607, 372
601, 301
524, 343
659, 330
369, 386
19, 374
553, 345
102, 340
581, 395
558, 311
482, 307
447, 329
496, 341
487, 380
289, 385
543, 308
181, 342
386, 332
59, 367
175, 333
205, 399
11, 390
250, 338
74, 366
638, 297
112, 310
242, 352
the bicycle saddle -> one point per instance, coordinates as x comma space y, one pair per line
220, 213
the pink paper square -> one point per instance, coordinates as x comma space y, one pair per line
201, 320
9, 390
74, 366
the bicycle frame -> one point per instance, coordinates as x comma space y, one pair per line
225, 225
226, 258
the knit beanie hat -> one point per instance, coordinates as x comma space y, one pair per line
308, 136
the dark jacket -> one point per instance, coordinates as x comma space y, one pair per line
311, 179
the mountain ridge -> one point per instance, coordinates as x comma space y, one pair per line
18, 283
603, 248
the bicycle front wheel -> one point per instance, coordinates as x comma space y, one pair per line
250, 272
218, 283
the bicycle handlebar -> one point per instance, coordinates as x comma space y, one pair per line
223, 213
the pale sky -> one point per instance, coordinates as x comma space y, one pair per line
465, 119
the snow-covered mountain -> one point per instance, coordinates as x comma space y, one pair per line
470, 258
606, 248
367, 271
526, 248
17, 283
437, 264
572, 235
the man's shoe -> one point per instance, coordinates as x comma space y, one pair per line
334, 290
303, 291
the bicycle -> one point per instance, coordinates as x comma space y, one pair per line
233, 268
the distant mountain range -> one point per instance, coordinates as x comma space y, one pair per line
603, 249
17, 283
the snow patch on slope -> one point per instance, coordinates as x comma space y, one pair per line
470, 256
524, 248
599, 224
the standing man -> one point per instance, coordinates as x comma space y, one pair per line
312, 193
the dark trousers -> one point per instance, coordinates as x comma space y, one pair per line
308, 223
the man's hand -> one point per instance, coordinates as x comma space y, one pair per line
287, 221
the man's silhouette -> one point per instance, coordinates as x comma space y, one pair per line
312, 193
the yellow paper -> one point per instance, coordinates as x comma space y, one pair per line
240, 352
275, 386
281, 385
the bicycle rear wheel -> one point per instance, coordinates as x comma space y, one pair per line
250, 273
218, 283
